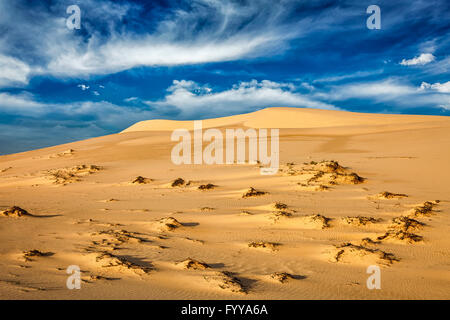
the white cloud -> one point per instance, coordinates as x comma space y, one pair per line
423, 59
444, 87
83, 87
191, 100
13, 72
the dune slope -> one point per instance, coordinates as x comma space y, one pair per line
141, 227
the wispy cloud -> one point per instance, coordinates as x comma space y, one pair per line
13, 72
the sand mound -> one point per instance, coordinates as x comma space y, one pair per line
322, 174
277, 215
424, 210
108, 260
141, 180
348, 178
193, 264
406, 224
360, 220
317, 221
208, 186
400, 235
168, 224
264, 245
330, 166
226, 281
122, 236
15, 212
280, 206
282, 277
71, 175
246, 213
368, 241
27, 255
178, 182
348, 252
252, 192
390, 195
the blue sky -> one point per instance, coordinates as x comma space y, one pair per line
139, 60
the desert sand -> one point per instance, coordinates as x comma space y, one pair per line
353, 190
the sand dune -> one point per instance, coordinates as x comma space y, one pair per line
353, 190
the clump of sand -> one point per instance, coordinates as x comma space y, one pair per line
15, 212
426, 209
323, 174
109, 260
28, 255
168, 224
207, 186
400, 235
368, 241
360, 220
277, 215
141, 180
178, 182
264, 245
252, 192
406, 224
317, 221
281, 277
193, 264
227, 281
122, 236
347, 252
71, 175
390, 195
280, 206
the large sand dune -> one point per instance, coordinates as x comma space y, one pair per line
115, 207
